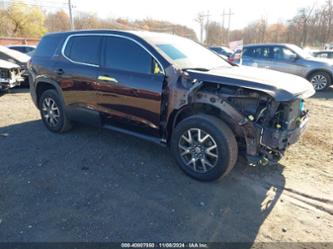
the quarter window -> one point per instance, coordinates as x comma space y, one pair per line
124, 54
257, 52
83, 49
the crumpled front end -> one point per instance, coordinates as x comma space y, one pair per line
10, 78
263, 125
285, 128
265, 117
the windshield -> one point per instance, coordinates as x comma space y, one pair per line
300, 51
189, 54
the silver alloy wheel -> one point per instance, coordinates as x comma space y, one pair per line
51, 112
319, 81
198, 150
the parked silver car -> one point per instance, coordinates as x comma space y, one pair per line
325, 54
291, 59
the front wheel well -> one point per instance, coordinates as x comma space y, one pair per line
195, 109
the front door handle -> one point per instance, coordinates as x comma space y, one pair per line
107, 78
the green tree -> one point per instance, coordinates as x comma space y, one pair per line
25, 20
5, 25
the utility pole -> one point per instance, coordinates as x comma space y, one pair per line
207, 22
71, 14
222, 28
201, 20
228, 14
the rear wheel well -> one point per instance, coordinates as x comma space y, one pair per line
318, 71
42, 87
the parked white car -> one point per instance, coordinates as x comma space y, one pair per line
10, 75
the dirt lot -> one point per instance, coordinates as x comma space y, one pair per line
97, 185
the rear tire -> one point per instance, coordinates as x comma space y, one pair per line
52, 112
320, 80
204, 147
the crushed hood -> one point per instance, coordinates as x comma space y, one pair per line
7, 64
281, 86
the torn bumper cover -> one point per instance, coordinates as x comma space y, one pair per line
280, 139
274, 142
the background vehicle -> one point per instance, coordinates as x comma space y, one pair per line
221, 50
10, 75
325, 54
18, 58
169, 90
291, 59
25, 49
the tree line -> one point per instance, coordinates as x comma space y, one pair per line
310, 26
22, 20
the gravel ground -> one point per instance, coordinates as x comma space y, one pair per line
96, 185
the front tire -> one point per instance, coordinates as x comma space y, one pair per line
320, 80
52, 112
204, 147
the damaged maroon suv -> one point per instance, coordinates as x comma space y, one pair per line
169, 90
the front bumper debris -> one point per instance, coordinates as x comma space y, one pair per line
277, 139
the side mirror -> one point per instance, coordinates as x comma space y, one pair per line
157, 69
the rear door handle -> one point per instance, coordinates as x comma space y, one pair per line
107, 78
59, 71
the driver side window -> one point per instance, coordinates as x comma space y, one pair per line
125, 55
283, 54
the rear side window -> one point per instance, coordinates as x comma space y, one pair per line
20, 49
126, 55
28, 49
323, 55
47, 46
218, 50
250, 52
83, 49
258, 52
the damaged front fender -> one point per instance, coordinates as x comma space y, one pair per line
266, 126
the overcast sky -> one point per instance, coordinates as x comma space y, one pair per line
185, 11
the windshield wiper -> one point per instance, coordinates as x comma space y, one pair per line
197, 69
